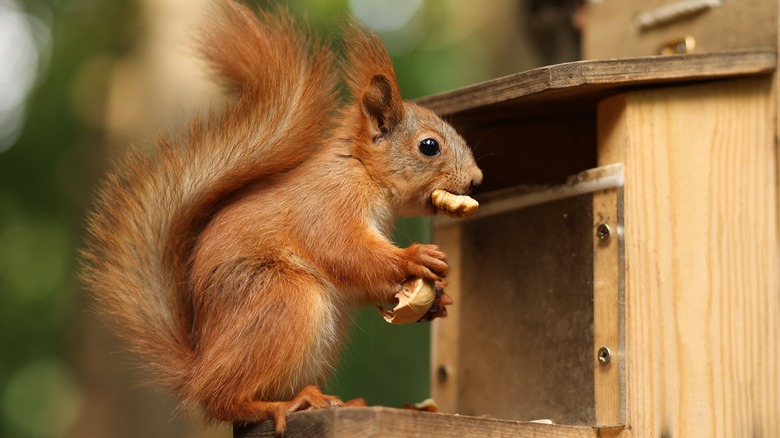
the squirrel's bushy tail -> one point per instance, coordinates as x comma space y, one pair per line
150, 210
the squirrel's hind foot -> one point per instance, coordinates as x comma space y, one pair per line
309, 397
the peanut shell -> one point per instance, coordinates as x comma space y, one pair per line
457, 206
414, 300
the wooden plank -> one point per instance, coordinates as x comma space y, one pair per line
526, 313
607, 318
590, 80
701, 245
609, 30
445, 332
391, 423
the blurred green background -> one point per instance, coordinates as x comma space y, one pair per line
79, 80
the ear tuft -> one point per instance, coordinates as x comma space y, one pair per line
371, 79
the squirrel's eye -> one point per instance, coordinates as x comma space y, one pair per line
429, 147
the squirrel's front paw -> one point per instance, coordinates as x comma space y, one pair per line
426, 261
439, 307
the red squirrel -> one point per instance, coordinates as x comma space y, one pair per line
231, 255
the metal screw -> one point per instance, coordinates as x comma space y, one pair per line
603, 231
604, 355
443, 373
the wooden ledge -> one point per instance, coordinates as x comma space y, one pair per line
537, 90
391, 423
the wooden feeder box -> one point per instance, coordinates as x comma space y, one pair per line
621, 276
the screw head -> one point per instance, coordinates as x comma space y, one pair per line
603, 231
443, 373
604, 355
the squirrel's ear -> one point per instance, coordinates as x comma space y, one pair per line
371, 79
382, 104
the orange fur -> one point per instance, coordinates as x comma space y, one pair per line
231, 256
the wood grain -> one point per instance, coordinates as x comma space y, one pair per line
397, 423
607, 308
561, 86
608, 30
701, 246
445, 332
526, 313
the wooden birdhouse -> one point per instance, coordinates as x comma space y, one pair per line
608, 278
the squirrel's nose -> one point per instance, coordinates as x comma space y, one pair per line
476, 177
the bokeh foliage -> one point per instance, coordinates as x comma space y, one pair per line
45, 179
